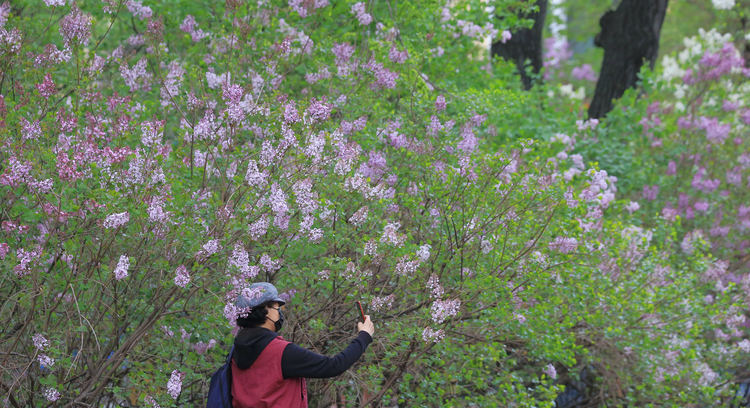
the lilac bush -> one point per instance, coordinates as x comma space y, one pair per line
154, 165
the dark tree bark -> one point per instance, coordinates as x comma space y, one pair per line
629, 35
525, 44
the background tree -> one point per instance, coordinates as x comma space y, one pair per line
630, 35
526, 44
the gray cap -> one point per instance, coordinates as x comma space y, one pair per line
257, 294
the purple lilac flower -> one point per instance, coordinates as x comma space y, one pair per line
51, 394
430, 335
441, 310
359, 10
182, 278
174, 385
440, 103
121, 271
550, 371
584, 72
505, 36
76, 27
40, 342
47, 87
116, 220
564, 245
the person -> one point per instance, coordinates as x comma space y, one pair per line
270, 372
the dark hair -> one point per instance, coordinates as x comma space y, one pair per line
255, 318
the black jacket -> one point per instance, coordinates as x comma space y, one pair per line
296, 361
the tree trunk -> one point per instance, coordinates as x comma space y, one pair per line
525, 44
629, 35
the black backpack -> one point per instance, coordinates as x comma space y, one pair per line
220, 389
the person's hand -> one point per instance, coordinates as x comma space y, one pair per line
367, 326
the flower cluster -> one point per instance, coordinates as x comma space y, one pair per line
441, 310
174, 385
121, 271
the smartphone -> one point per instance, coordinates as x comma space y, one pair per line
361, 311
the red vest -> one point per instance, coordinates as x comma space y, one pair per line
263, 385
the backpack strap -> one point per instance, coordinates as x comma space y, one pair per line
229, 356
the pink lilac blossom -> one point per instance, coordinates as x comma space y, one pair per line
715, 132
371, 248
650, 192
405, 266
745, 116
550, 371
435, 336
174, 385
399, 57
587, 124
359, 10
360, 216
202, 348
16, 173
505, 36
382, 302
76, 27
188, 24
486, 246
598, 178
564, 245
45, 360
734, 176
131, 76
116, 220
212, 247
584, 72
423, 253
25, 259
156, 211
4, 249
182, 278
701, 206
319, 111
391, 235
139, 10
556, 50
258, 228
171, 85
384, 78
30, 130
216, 81
151, 132
433, 284
570, 199
440, 103
441, 310
270, 265
715, 65
434, 127
121, 271
47, 87
468, 141
632, 207
671, 168
241, 260
40, 342
11, 39
729, 106
322, 74
51, 394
